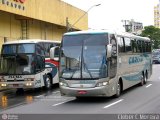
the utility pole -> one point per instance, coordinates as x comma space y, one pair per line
126, 25
67, 24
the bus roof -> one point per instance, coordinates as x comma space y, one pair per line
30, 41
89, 32
117, 33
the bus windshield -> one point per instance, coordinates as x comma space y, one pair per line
84, 56
17, 59
17, 64
18, 48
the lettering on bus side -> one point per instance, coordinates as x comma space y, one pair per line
134, 60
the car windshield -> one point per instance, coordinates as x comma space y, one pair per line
84, 56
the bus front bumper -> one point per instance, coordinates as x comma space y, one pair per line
27, 84
78, 92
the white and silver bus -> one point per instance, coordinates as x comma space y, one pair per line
27, 64
103, 63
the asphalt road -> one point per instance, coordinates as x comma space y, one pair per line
136, 100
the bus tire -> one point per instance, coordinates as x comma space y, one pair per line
118, 89
145, 78
142, 80
48, 83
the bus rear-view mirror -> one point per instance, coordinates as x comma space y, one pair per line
109, 50
54, 53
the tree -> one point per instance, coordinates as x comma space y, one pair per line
154, 34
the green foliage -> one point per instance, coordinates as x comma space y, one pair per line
154, 34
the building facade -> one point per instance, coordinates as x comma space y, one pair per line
38, 19
133, 26
136, 27
157, 16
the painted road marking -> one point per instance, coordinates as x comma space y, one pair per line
148, 85
39, 96
61, 103
113, 103
56, 92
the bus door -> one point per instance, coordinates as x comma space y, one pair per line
39, 69
113, 60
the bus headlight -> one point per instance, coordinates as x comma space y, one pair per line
3, 85
28, 84
102, 84
63, 84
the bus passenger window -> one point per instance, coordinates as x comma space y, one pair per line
134, 46
144, 46
139, 46
128, 44
148, 48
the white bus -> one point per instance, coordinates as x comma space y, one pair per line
27, 64
103, 63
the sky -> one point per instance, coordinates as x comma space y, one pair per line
111, 12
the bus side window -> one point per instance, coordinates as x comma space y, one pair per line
46, 49
143, 46
121, 47
139, 46
40, 49
134, 46
127, 44
148, 49
40, 64
150, 46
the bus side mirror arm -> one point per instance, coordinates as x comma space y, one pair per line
53, 53
109, 50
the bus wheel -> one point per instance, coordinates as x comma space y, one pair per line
118, 90
145, 78
48, 82
142, 80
